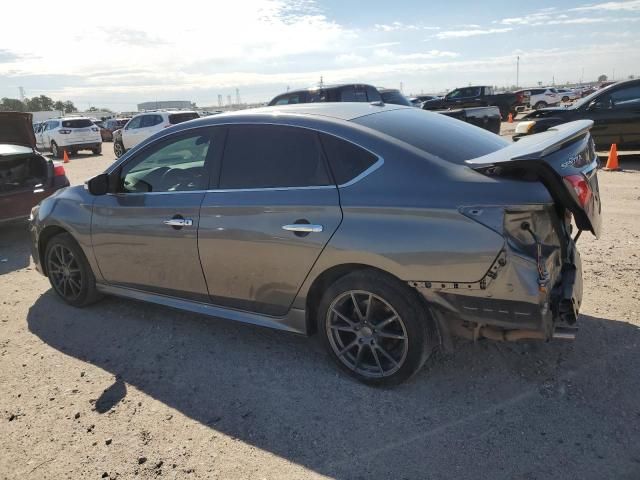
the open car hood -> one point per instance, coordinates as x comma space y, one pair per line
16, 128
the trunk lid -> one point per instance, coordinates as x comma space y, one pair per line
564, 159
16, 128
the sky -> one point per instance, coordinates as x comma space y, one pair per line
195, 50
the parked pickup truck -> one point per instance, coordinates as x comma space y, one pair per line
478, 96
483, 117
615, 111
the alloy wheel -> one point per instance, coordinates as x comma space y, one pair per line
64, 271
367, 334
54, 149
118, 149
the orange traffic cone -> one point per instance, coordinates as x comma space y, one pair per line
612, 161
510, 118
65, 157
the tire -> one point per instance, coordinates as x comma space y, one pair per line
55, 150
97, 150
504, 114
118, 148
565, 99
69, 272
393, 339
540, 105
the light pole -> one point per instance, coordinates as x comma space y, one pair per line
518, 71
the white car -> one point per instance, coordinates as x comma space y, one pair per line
568, 94
68, 133
538, 98
143, 125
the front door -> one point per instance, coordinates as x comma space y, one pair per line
145, 233
275, 210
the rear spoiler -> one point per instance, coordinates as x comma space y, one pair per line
536, 146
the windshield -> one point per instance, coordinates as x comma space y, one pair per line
588, 99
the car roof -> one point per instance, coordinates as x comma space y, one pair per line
338, 110
324, 87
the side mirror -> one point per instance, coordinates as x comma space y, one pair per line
98, 185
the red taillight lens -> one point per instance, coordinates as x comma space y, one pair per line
58, 171
581, 188
64, 131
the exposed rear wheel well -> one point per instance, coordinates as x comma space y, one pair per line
46, 235
333, 274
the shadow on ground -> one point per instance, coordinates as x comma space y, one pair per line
14, 246
558, 410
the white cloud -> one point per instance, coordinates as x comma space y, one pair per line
630, 6
470, 33
395, 26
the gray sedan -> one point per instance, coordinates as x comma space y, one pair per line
385, 229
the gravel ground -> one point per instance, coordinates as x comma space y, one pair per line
127, 390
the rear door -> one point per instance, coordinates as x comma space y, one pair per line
265, 225
149, 125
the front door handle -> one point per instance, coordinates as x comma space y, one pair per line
179, 222
302, 228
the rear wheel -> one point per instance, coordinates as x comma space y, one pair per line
118, 148
375, 329
55, 150
69, 272
540, 105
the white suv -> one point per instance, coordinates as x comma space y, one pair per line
143, 125
70, 134
542, 97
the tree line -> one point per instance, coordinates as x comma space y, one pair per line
36, 104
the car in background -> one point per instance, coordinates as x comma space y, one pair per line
477, 96
614, 110
537, 98
568, 94
142, 126
329, 93
107, 127
487, 118
384, 229
26, 176
70, 134
394, 96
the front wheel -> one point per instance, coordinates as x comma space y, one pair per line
55, 150
118, 148
375, 328
97, 150
69, 272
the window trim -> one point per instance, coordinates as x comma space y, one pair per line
217, 163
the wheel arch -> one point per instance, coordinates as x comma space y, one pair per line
333, 274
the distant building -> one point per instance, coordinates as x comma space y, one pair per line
165, 104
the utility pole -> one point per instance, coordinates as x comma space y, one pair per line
518, 71
237, 96
228, 99
321, 84
401, 88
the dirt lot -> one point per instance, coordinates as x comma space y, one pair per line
124, 390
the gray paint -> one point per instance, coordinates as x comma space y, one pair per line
407, 216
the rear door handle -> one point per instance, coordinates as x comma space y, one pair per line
179, 222
302, 228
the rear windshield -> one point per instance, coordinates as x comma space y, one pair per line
448, 138
182, 117
79, 123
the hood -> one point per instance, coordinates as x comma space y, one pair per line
16, 129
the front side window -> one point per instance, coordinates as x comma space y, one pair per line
134, 123
270, 156
628, 97
150, 121
173, 165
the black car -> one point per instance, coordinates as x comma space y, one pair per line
330, 93
615, 111
26, 176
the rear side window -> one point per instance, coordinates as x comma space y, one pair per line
346, 160
444, 137
151, 120
80, 123
270, 156
182, 117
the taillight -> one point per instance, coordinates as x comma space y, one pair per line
58, 171
581, 188
64, 131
